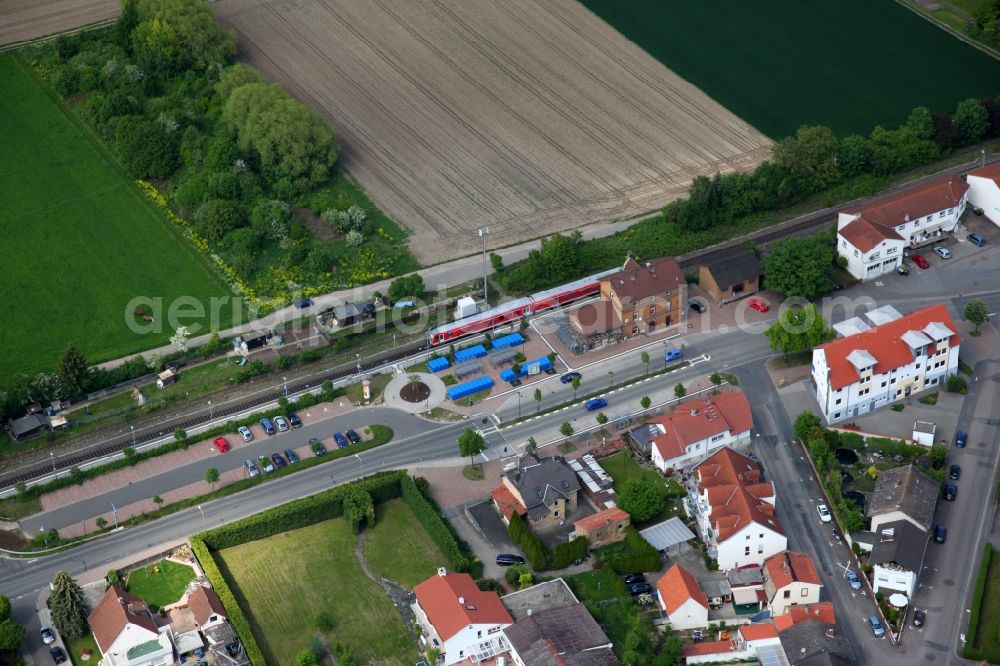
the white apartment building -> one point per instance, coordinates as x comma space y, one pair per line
984, 191
862, 372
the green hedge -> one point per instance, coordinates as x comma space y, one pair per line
532, 547
565, 554
970, 651
435, 525
634, 554
233, 611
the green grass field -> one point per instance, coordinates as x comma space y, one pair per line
780, 64
160, 584
79, 241
284, 581
622, 467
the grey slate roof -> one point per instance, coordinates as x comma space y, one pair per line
542, 481
346, 311
905, 489
567, 636
27, 425
737, 265
537, 598
715, 588
906, 549
745, 577
807, 640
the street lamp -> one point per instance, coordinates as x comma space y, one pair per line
133, 435
665, 350
114, 510
611, 380
211, 412
204, 525
362, 461
519, 405
483, 233
285, 379
358, 357
52, 459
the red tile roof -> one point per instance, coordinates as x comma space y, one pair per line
698, 419
204, 603
789, 567
992, 172
713, 647
731, 482
439, 596
114, 612
636, 281
677, 586
756, 632
822, 611
864, 234
915, 202
506, 501
884, 342
600, 519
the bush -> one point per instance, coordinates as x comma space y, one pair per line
633, 554
957, 385
434, 524
565, 554
533, 548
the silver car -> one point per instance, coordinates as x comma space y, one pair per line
245, 433
944, 253
280, 423
251, 468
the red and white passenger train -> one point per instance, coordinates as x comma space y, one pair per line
520, 307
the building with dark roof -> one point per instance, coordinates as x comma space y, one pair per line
815, 642
903, 493
567, 636
732, 274
551, 594
897, 557
544, 490
28, 426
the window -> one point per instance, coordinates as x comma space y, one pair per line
805, 592
855, 253
949, 210
874, 256
760, 549
787, 594
652, 310
716, 438
746, 551
837, 415
635, 330
891, 250
839, 400
557, 514
843, 243
883, 384
748, 537
479, 634
941, 214
761, 535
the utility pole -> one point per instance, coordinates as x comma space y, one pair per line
484, 232
114, 510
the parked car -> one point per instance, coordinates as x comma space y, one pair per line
294, 421
955, 472
353, 436
47, 636
950, 492
317, 446
697, 306
303, 303
919, 617
251, 468
569, 377
221, 444
940, 533
279, 460
976, 240
245, 433
341, 441
824, 513
281, 423
960, 439
943, 252
265, 464
673, 354
902, 270
596, 403
876, 626
507, 559
57, 653
920, 261
292, 456
758, 305
268, 427
852, 579
634, 578
636, 589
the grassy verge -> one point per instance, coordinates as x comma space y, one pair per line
160, 584
983, 635
399, 548
78, 646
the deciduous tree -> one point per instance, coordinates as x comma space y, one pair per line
679, 390
798, 330
641, 499
212, 476
204, 39
971, 121
800, 267
471, 443
976, 311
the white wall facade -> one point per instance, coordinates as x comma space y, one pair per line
874, 390
985, 193
893, 578
890, 517
751, 545
729, 657
690, 615
133, 635
884, 258
475, 642
795, 593
699, 450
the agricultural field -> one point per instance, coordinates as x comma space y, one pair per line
283, 582
80, 241
527, 116
22, 20
779, 64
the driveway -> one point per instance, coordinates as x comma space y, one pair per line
486, 541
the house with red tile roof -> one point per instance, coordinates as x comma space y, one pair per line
822, 611
694, 430
603, 527
859, 373
459, 619
872, 236
984, 191
206, 607
126, 633
734, 510
682, 599
790, 578
741, 645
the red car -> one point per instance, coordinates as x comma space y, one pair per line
920, 261
221, 444
758, 305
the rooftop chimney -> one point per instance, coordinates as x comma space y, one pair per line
442, 571
830, 632
461, 600
529, 612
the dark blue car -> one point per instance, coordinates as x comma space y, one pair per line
569, 377
340, 439
596, 403
960, 439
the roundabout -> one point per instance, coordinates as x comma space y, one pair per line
415, 392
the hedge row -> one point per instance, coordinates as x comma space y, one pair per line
434, 524
632, 555
565, 554
532, 547
233, 611
970, 651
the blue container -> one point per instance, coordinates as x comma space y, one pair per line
478, 351
512, 340
438, 364
544, 364
468, 388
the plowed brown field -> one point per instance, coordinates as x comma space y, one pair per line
527, 116
21, 20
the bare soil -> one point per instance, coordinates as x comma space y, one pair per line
21, 20
527, 116
415, 392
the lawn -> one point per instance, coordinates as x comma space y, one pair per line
80, 241
160, 584
77, 646
284, 581
779, 64
399, 548
622, 467
987, 636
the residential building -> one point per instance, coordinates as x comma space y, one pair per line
822, 611
459, 619
747, 586
206, 607
790, 578
813, 642
749, 642
897, 557
682, 599
903, 493
544, 490
602, 528
694, 430
984, 191
566, 636
28, 426
734, 510
595, 483
127, 634
551, 594
637, 300
731, 275
872, 236
856, 374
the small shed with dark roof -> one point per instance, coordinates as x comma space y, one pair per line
731, 274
